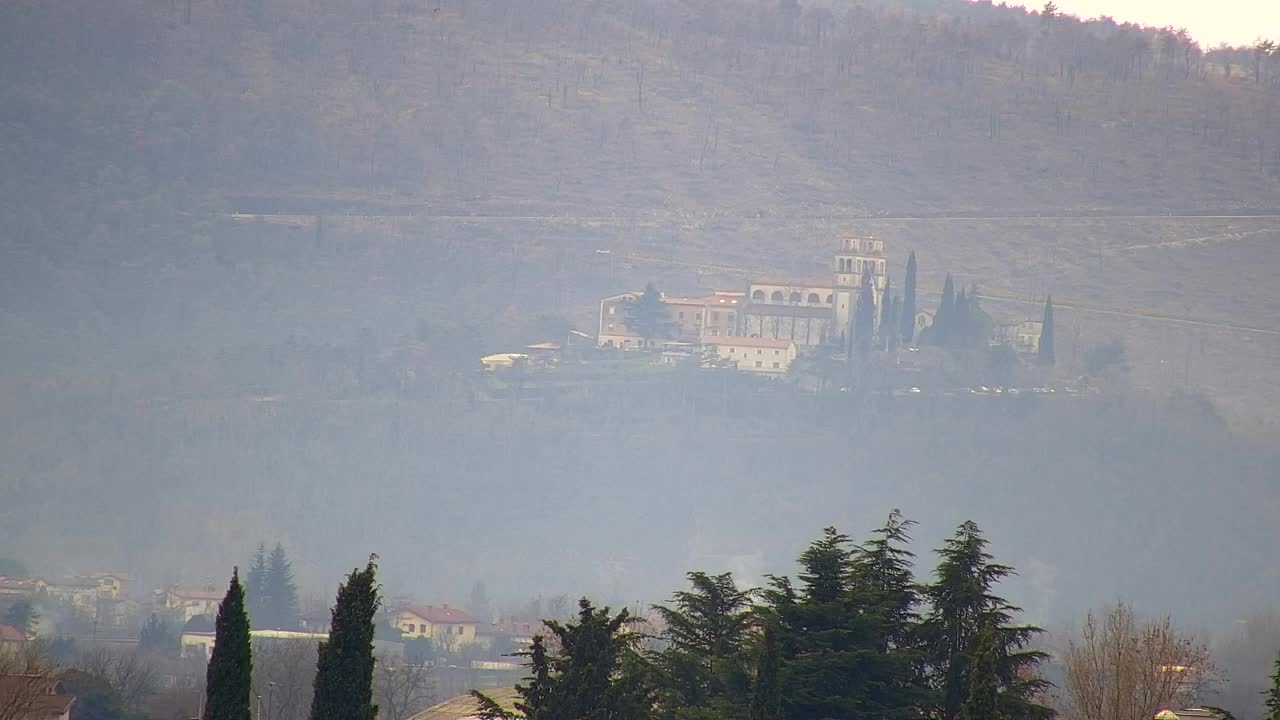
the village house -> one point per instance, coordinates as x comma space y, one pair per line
692, 318
188, 603
754, 354
32, 697
451, 628
12, 639
518, 635
1021, 335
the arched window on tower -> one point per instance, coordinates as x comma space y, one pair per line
830, 300
813, 299
776, 296
758, 296
795, 298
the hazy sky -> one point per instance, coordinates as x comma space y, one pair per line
1237, 22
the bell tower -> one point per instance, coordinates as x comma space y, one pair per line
854, 259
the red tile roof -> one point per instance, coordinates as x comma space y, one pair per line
50, 700
441, 614
191, 594
11, 634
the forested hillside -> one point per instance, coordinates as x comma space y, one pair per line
250, 249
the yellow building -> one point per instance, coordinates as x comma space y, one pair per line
754, 354
449, 627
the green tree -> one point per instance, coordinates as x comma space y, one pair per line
983, 701
705, 665
157, 637
594, 674
95, 698
1272, 694
961, 604
940, 331
344, 667
281, 591
228, 678
648, 315
907, 317
1046, 354
864, 322
766, 694
887, 327
24, 616
256, 589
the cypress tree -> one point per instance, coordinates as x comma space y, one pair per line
907, 317
281, 592
941, 331
1272, 694
228, 678
958, 327
1046, 356
766, 695
983, 701
344, 668
864, 324
256, 590
886, 327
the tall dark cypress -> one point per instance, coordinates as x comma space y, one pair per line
1047, 357
907, 317
942, 320
344, 669
766, 693
228, 678
864, 324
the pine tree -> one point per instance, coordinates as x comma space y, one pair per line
256, 590
983, 701
281, 592
962, 604
883, 571
1272, 694
958, 326
229, 677
907, 317
766, 695
705, 664
592, 676
344, 668
1047, 357
647, 315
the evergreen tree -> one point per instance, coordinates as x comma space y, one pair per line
704, 665
766, 695
1047, 357
1272, 694
593, 676
648, 315
886, 327
883, 572
344, 668
156, 636
962, 604
983, 701
864, 324
256, 589
24, 616
907, 317
940, 332
958, 327
281, 592
229, 677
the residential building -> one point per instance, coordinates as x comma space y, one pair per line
518, 635
11, 639
1021, 335
11, 587
450, 627
754, 354
692, 318
199, 643
188, 602
35, 697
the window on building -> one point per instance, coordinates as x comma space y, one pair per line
680, 315
775, 365
732, 317
697, 317
759, 351
795, 298
612, 308
715, 316
777, 352
830, 299
759, 364
776, 296
813, 299
715, 331
758, 295
422, 628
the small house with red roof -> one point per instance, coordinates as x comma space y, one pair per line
449, 627
35, 697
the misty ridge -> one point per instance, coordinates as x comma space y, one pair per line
253, 253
